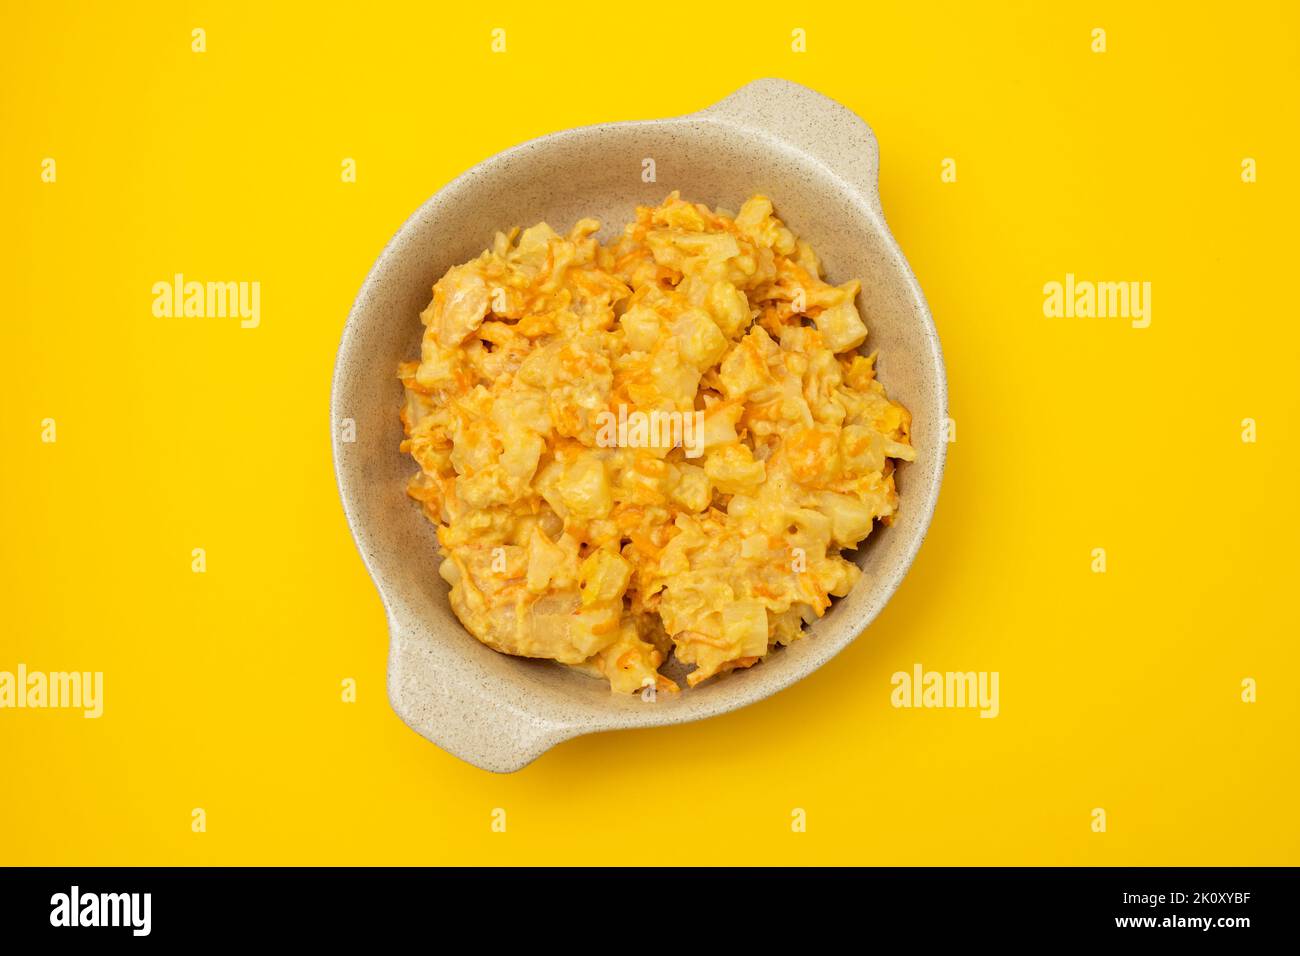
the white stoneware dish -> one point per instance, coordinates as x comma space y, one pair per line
818, 162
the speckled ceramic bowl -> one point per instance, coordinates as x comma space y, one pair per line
818, 163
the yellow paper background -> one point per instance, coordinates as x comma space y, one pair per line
1118, 690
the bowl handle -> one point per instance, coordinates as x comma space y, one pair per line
441, 700
812, 123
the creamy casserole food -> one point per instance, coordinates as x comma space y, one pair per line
654, 447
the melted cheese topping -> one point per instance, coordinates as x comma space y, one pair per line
557, 545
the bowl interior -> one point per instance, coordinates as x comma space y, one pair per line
599, 172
